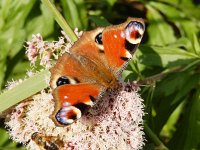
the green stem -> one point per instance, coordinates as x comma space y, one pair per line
60, 20
154, 138
157, 77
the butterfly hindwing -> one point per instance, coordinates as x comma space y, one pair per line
74, 88
72, 100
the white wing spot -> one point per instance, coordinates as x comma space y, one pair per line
65, 104
122, 34
65, 97
128, 55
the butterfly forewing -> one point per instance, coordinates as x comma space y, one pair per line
121, 41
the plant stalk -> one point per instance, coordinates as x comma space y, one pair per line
154, 138
60, 20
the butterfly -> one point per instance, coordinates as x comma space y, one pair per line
47, 142
91, 67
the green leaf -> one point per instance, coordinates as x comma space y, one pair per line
165, 56
196, 44
170, 127
111, 2
172, 83
75, 13
18, 72
187, 134
35, 26
6, 143
178, 16
170, 93
170, 11
14, 62
158, 27
24, 90
189, 28
184, 43
99, 21
4, 137
60, 20
14, 13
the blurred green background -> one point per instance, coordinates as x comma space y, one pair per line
167, 63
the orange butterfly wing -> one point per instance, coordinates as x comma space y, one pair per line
73, 100
121, 42
68, 66
74, 88
114, 47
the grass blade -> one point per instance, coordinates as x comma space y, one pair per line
60, 20
27, 88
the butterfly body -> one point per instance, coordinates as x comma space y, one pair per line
92, 66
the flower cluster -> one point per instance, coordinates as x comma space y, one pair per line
38, 49
115, 122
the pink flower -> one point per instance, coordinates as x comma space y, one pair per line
38, 49
115, 122
32, 50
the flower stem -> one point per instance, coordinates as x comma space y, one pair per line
60, 20
157, 77
154, 138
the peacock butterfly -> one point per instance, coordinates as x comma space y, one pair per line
92, 66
